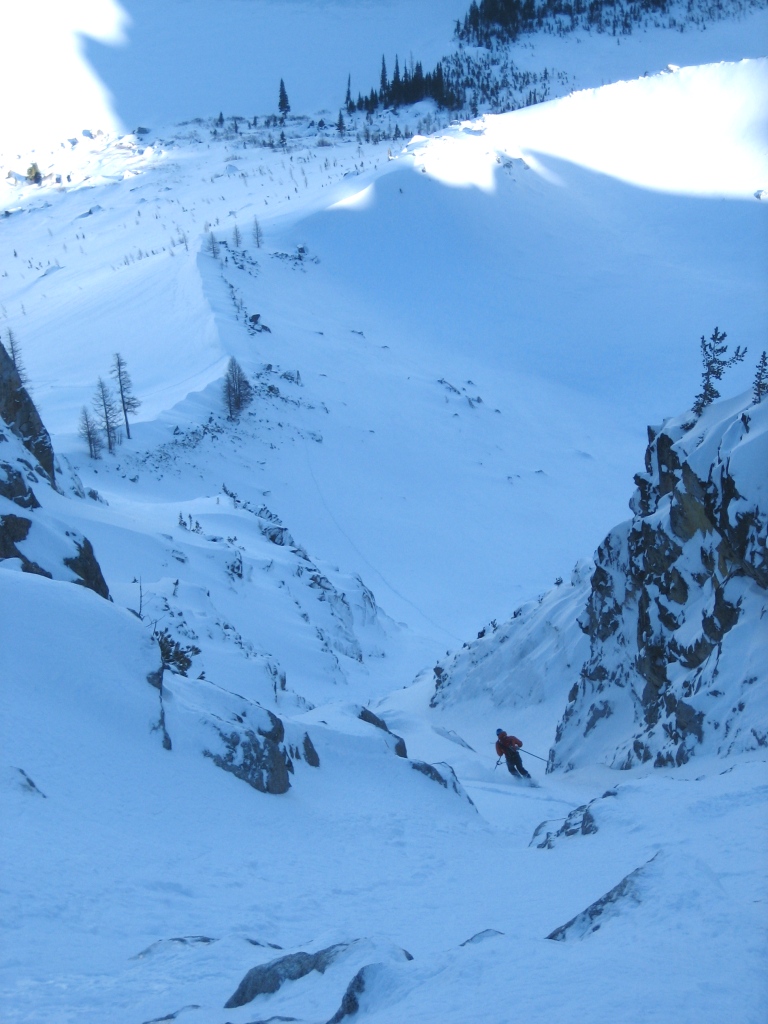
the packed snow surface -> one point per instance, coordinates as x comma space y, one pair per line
468, 330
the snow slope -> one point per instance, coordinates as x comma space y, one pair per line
370, 508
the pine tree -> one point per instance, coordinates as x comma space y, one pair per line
14, 352
258, 236
760, 385
107, 414
384, 79
128, 401
282, 103
715, 364
348, 98
340, 126
237, 390
90, 434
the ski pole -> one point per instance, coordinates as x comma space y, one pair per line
497, 764
532, 755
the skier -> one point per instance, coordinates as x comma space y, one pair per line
508, 747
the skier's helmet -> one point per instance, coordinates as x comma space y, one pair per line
499, 732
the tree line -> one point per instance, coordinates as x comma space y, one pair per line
409, 85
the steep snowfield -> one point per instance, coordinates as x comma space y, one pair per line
449, 406
564, 304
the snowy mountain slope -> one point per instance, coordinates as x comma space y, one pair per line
556, 390
143, 881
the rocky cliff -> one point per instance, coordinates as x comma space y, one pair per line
31, 538
677, 616
662, 651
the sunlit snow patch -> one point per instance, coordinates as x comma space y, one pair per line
357, 201
60, 95
462, 158
696, 130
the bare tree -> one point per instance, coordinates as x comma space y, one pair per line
128, 401
237, 390
237, 238
212, 246
14, 352
89, 432
107, 414
258, 236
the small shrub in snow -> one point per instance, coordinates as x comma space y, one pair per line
175, 657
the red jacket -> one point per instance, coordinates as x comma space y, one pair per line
507, 742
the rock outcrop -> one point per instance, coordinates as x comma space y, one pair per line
18, 412
268, 978
36, 541
659, 649
678, 658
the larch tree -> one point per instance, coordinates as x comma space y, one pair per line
107, 414
258, 235
128, 401
237, 390
89, 431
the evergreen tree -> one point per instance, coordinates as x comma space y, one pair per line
384, 79
348, 98
760, 385
89, 432
340, 126
107, 414
715, 364
237, 390
282, 103
128, 401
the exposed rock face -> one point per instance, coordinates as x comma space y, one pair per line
18, 411
628, 893
40, 544
256, 756
444, 776
85, 566
580, 822
678, 656
268, 978
366, 715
